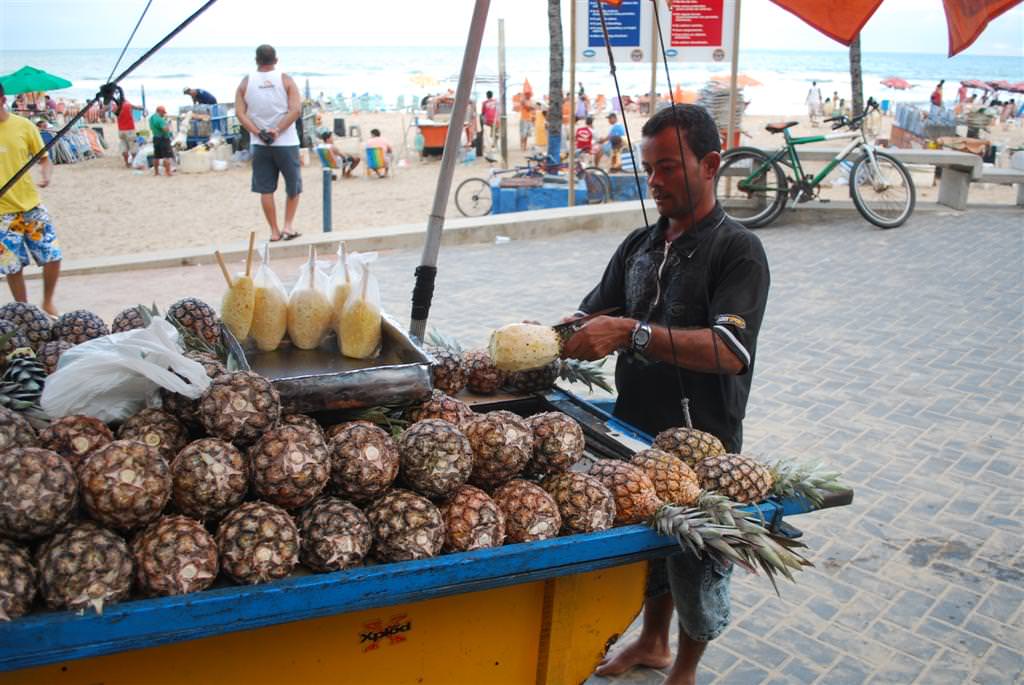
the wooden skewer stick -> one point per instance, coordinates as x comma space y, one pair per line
312, 267
224, 268
248, 256
366, 279
344, 262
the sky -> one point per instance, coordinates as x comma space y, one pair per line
74, 24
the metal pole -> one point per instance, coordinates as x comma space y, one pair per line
423, 291
654, 65
732, 77
572, 104
502, 98
327, 199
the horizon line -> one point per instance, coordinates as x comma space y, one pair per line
838, 50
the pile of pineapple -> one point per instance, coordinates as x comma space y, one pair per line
228, 487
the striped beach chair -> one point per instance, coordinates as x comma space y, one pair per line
376, 159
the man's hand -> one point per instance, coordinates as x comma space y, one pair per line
598, 338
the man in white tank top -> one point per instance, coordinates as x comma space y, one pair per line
267, 104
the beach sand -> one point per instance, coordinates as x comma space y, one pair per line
101, 208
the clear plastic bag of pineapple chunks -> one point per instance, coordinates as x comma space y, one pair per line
359, 326
270, 311
309, 307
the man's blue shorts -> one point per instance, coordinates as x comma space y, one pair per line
270, 160
25, 233
700, 592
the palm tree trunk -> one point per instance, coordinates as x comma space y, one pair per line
856, 82
555, 65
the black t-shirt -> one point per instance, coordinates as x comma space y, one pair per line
714, 277
205, 97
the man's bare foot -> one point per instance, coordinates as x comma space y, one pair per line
50, 309
632, 655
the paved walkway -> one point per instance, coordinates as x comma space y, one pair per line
896, 356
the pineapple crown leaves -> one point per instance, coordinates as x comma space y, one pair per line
388, 418
439, 339
147, 313
587, 373
719, 528
792, 478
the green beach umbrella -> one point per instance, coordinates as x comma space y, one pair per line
32, 80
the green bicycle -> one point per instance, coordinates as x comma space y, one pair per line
753, 189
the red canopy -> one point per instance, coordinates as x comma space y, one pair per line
1000, 85
842, 21
1017, 87
897, 83
975, 83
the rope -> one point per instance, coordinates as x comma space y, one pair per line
125, 48
108, 92
625, 121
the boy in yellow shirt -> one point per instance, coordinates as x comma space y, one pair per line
25, 226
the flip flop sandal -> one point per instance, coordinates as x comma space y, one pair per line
278, 239
290, 236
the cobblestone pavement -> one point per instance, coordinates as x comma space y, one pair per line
896, 356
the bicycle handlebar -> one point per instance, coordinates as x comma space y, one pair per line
842, 120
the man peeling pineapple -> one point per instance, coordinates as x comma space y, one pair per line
707, 277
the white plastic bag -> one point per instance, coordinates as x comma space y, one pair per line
115, 376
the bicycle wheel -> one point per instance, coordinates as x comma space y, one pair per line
473, 197
599, 185
750, 188
884, 195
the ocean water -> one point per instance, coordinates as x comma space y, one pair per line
387, 71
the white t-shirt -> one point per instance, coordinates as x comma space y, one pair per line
266, 102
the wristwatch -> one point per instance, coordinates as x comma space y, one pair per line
640, 338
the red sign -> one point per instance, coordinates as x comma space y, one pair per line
696, 23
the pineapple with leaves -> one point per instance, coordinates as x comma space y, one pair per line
258, 542
78, 327
584, 503
636, 499
31, 321
440, 406
174, 555
75, 437
472, 520
197, 318
21, 385
11, 338
38, 493
688, 444
84, 566
49, 354
16, 431
335, 534
364, 461
405, 526
18, 579
447, 370
673, 480
132, 318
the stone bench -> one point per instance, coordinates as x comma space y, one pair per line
958, 168
1005, 177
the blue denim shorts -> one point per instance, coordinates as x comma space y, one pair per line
700, 592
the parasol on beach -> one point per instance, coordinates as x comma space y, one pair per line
1001, 85
843, 21
422, 80
31, 80
975, 83
742, 80
896, 83
1017, 87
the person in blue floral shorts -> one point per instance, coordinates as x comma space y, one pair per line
25, 226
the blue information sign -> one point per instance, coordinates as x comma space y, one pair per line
623, 24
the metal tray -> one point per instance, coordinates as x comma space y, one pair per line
323, 380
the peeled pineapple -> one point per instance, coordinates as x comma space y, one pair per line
309, 310
360, 322
239, 301
524, 346
269, 318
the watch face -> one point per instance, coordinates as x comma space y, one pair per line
641, 337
